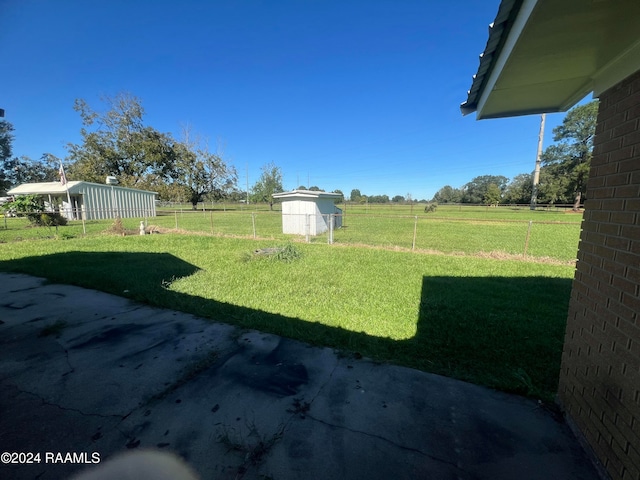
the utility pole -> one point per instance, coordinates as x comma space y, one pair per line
536, 172
247, 184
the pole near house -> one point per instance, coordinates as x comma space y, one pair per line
536, 172
63, 181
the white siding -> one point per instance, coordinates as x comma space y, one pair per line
296, 213
105, 201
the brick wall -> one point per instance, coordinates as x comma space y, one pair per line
599, 385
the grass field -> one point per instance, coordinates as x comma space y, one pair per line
498, 323
451, 229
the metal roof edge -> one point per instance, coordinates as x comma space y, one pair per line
57, 187
499, 31
307, 194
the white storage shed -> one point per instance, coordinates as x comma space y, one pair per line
308, 212
91, 201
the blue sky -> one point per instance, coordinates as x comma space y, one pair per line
341, 94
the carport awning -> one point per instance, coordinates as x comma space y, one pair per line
44, 188
546, 55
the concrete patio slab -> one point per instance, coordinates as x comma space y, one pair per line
120, 376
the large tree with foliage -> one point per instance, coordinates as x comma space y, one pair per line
23, 169
6, 150
476, 190
448, 194
519, 189
17, 170
492, 195
270, 182
355, 195
200, 172
566, 164
116, 142
6, 140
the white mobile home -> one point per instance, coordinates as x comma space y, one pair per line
91, 201
307, 212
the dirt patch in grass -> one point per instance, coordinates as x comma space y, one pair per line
494, 255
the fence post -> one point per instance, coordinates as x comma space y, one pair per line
84, 226
253, 221
415, 232
344, 214
526, 242
176, 214
211, 217
331, 219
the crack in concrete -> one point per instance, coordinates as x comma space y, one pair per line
386, 440
379, 437
20, 307
27, 289
324, 385
295, 412
71, 367
68, 409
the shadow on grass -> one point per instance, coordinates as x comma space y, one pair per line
502, 332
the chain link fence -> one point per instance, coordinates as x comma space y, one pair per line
553, 239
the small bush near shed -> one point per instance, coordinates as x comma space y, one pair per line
430, 207
32, 207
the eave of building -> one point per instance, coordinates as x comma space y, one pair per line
297, 194
56, 188
546, 55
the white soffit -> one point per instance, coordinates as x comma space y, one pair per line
553, 53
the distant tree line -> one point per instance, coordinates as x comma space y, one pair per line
357, 197
563, 175
117, 142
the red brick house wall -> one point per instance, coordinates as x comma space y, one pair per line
599, 385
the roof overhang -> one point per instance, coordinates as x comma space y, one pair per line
546, 55
44, 188
306, 194
57, 188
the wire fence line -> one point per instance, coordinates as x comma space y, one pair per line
554, 239
536, 238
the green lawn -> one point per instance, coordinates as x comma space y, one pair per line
493, 322
468, 230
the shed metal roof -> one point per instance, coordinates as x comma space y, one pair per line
308, 194
56, 188
546, 55
44, 188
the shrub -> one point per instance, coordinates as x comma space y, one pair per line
47, 219
32, 207
287, 253
430, 207
283, 253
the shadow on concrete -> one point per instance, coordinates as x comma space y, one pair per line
503, 332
